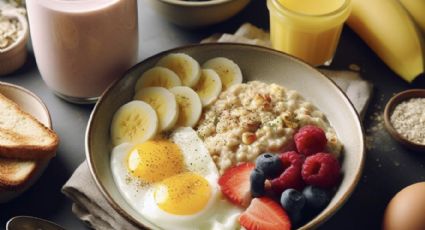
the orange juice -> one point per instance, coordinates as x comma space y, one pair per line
308, 29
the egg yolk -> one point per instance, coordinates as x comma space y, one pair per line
155, 160
183, 194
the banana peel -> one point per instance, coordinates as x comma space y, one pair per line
389, 31
416, 9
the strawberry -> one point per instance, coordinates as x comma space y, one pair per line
235, 184
264, 214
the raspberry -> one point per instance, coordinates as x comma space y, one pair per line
291, 176
322, 170
310, 140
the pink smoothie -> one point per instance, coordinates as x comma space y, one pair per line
81, 46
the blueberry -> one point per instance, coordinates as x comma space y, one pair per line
293, 202
316, 198
270, 164
257, 179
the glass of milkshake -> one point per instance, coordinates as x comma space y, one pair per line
82, 46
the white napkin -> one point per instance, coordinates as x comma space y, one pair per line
90, 205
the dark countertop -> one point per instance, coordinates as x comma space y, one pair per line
388, 167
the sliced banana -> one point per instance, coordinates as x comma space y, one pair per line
184, 66
134, 122
163, 102
158, 76
190, 105
229, 72
208, 87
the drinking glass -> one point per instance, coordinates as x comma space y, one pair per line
82, 46
308, 29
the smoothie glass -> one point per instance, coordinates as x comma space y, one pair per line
82, 46
308, 29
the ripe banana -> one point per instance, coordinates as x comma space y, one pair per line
229, 72
184, 66
158, 76
389, 31
416, 8
163, 102
189, 104
134, 122
208, 87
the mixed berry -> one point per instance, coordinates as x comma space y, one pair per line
282, 191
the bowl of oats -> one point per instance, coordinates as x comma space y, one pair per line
404, 118
14, 34
264, 113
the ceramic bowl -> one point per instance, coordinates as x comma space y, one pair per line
389, 108
256, 63
14, 56
33, 105
194, 14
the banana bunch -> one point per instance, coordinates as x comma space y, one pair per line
416, 9
172, 94
391, 33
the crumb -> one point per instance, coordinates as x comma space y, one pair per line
377, 125
354, 67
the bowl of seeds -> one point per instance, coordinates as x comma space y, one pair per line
14, 35
404, 118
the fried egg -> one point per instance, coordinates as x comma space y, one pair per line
173, 183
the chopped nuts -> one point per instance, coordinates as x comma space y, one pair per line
243, 114
248, 138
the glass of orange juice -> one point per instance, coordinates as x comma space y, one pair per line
308, 29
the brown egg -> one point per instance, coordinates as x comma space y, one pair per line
407, 209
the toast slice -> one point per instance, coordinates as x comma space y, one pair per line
14, 173
22, 136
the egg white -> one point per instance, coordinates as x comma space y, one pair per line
219, 214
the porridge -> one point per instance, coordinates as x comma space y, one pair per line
175, 143
255, 117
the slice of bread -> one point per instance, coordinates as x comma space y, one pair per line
22, 136
14, 173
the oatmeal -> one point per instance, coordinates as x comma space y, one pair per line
253, 118
408, 118
10, 30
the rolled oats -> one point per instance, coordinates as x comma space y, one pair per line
252, 118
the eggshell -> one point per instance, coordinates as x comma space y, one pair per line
407, 209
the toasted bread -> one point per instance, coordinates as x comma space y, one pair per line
14, 173
22, 136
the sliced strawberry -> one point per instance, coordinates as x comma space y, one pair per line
235, 184
264, 214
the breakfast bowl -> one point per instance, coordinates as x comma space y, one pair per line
256, 63
14, 56
389, 110
194, 14
33, 105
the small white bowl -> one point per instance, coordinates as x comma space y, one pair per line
194, 14
33, 105
14, 56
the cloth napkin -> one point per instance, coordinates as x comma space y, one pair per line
90, 205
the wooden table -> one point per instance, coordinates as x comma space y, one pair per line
388, 167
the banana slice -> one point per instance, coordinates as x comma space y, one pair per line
208, 87
158, 76
163, 102
189, 104
229, 72
184, 66
134, 122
